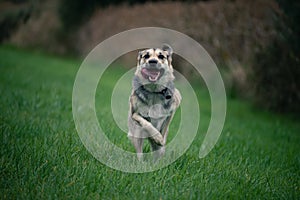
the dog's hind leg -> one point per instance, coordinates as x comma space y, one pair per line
158, 150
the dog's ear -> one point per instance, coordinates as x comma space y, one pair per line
168, 49
140, 54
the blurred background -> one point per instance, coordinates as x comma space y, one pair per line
254, 43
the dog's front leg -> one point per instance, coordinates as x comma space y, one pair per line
175, 105
153, 132
165, 127
138, 145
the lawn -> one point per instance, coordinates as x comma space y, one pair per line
42, 157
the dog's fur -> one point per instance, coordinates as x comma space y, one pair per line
153, 100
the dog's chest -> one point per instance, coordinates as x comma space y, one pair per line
156, 106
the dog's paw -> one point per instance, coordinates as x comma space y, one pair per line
140, 157
159, 139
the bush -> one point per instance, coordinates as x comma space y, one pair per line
276, 71
10, 20
73, 13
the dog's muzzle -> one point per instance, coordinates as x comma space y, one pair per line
152, 71
153, 62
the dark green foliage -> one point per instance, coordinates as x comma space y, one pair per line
276, 72
10, 20
73, 13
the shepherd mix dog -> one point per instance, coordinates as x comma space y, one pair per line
153, 101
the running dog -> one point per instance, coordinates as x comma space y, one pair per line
153, 100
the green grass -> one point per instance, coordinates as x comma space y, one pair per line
257, 156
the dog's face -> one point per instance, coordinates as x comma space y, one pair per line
155, 63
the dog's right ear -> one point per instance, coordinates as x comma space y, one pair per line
140, 54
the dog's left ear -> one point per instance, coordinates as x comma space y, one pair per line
168, 49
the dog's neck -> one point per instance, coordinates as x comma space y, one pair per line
152, 87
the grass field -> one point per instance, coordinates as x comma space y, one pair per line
42, 157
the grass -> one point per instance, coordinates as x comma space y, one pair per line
42, 157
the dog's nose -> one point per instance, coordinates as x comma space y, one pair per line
152, 61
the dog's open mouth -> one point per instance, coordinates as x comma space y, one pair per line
151, 74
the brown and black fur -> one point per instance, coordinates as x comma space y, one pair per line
153, 101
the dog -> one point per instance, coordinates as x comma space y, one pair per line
153, 100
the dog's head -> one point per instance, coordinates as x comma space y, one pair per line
155, 64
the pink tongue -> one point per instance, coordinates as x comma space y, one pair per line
153, 75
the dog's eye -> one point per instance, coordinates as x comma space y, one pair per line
146, 56
161, 57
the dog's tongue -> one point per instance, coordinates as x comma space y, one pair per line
152, 74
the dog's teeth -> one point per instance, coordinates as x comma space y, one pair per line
152, 79
155, 78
